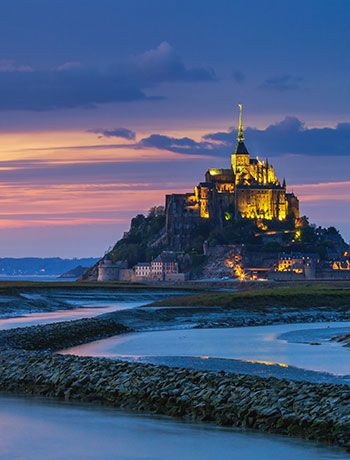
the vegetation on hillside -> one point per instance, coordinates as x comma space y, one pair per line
299, 236
146, 239
136, 245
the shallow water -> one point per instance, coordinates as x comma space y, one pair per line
85, 304
41, 429
46, 430
258, 343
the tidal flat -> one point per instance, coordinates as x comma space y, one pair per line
29, 365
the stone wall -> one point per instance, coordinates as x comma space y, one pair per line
285, 276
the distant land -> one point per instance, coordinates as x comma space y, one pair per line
76, 272
36, 266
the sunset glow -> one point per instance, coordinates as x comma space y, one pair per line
93, 132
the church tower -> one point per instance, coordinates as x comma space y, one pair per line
240, 156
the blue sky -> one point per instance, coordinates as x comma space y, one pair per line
133, 99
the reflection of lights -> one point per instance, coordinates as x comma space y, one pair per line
268, 363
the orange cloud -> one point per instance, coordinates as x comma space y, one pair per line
71, 204
339, 191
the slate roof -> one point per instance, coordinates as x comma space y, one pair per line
241, 148
164, 258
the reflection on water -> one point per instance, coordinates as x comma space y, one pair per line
85, 304
259, 343
42, 430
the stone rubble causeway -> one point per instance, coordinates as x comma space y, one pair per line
56, 336
319, 412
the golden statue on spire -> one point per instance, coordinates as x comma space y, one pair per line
240, 137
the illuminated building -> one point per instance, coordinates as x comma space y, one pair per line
299, 263
248, 189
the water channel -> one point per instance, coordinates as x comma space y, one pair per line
32, 428
259, 343
46, 430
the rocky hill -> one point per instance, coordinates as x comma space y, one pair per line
260, 242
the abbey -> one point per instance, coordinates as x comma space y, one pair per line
248, 189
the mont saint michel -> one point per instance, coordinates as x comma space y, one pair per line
240, 223
174, 230
249, 189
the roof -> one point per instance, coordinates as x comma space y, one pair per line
241, 148
259, 187
299, 255
164, 258
143, 264
206, 184
220, 172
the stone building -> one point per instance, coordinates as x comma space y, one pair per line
248, 189
164, 267
299, 263
143, 270
109, 271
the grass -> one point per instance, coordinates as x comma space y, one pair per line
8, 286
300, 297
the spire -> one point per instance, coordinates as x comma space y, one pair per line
284, 183
240, 137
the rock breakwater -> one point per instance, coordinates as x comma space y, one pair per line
313, 411
56, 336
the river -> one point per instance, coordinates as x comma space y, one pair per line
47, 430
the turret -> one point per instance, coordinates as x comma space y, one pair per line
240, 137
240, 156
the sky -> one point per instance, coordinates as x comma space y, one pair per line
106, 106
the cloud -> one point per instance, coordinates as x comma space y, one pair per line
291, 136
117, 132
221, 136
94, 173
238, 76
72, 85
282, 83
57, 89
173, 144
164, 64
8, 65
68, 65
288, 136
